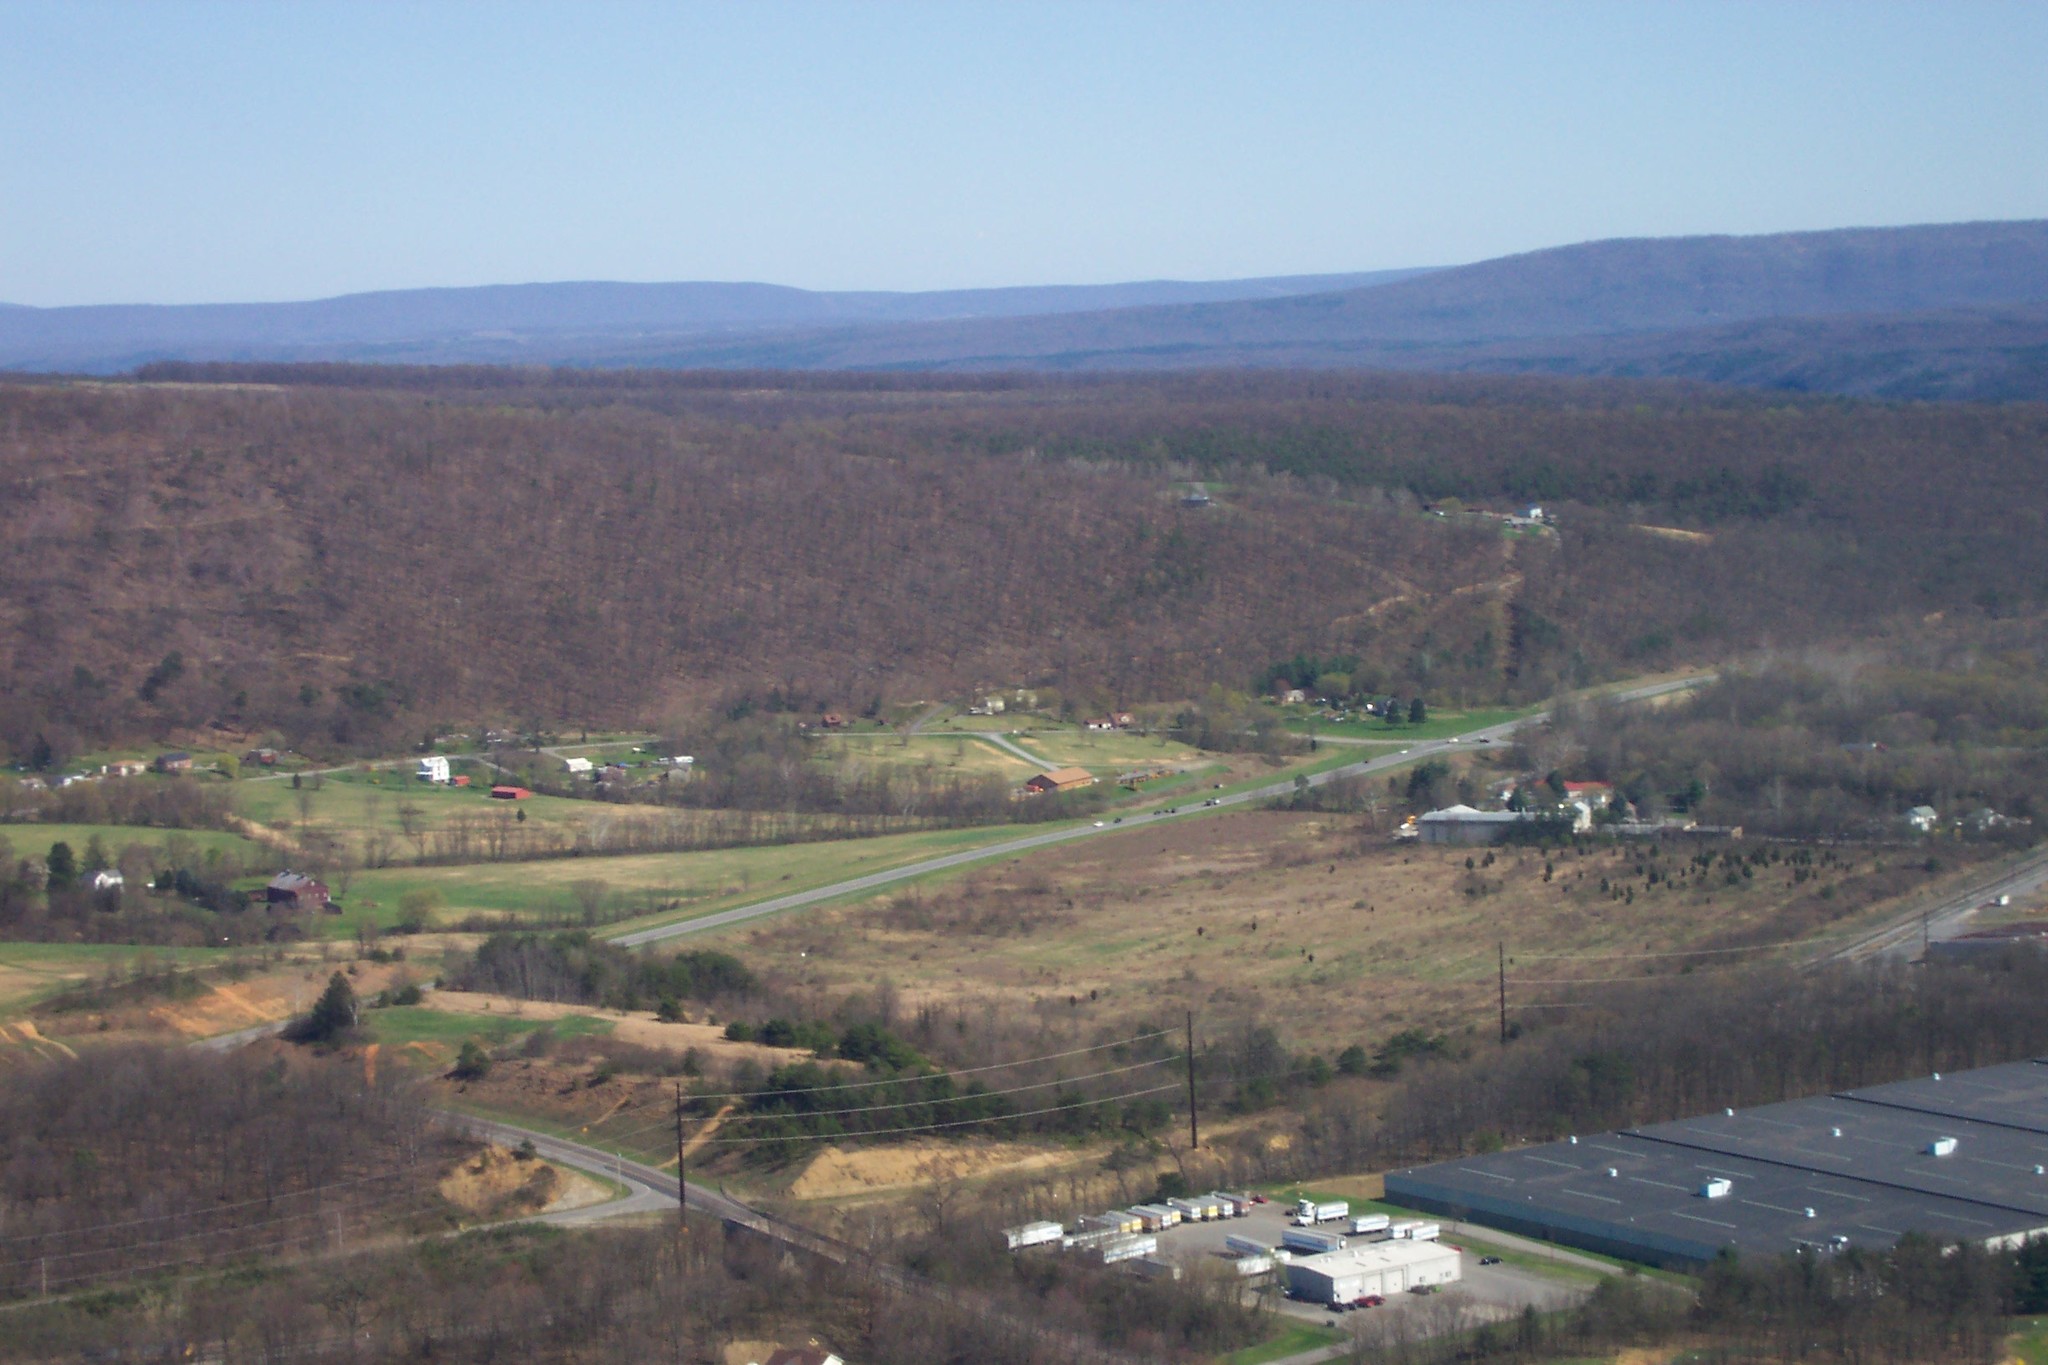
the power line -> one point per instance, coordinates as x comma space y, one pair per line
901, 1080
203, 1212
957, 1123
757, 1115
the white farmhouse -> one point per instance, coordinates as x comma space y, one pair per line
433, 769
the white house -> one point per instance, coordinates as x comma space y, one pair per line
577, 765
433, 769
108, 880
1923, 818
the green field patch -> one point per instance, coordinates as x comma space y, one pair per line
1289, 1339
34, 840
697, 883
405, 1024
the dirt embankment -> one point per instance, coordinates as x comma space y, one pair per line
628, 1026
499, 1183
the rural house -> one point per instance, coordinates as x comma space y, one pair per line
295, 891
174, 763
577, 765
1060, 780
433, 769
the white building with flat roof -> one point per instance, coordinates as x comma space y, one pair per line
1382, 1268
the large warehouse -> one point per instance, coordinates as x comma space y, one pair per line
1961, 1156
1383, 1268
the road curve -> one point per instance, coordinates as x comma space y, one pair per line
875, 880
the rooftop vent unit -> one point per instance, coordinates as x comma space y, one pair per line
1613, 1174
1834, 1132
1942, 1146
1716, 1188
1729, 1112
1574, 1141
1809, 1213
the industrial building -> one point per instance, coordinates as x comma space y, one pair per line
1383, 1268
1464, 825
1961, 1156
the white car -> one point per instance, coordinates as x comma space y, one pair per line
1098, 824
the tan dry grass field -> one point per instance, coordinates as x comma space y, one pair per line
1303, 921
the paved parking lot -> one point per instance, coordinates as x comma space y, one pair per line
1489, 1291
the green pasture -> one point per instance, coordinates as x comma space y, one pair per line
403, 1024
704, 882
1290, 1338
34, 840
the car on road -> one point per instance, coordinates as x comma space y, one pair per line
1338, 1307
1099, 824
1489, 1260
1369, 1301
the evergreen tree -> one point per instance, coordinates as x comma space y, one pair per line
334, 1015
63, 867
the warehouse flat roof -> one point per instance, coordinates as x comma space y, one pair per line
1651, 1208
1374, 1256
2014, 1095
2005, 1168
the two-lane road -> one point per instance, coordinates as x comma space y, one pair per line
1193, 805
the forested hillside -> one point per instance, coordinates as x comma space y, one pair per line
350, 557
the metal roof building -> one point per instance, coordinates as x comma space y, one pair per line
1964, 1157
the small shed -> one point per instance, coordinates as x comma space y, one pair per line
509, 793
577, 765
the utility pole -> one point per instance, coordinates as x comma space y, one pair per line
1923, 933
1194, 1125
1503, 950
682, 1179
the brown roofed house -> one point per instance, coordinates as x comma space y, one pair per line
1061, 780
296, 892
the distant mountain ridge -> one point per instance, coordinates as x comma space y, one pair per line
1942, 311
552, 322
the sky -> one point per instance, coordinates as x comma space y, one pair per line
173, 151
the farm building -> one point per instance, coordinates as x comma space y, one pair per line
577, 765
1061, 780
296, 892
108, 880
127, 767
174, 763
1464, 825
1383, 1268
508, 793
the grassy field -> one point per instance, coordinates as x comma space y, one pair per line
953, 756
2028, 1344
1260, 914
33, 841
1289, 1339
356, 803
446, 1032
32, 972
702, 882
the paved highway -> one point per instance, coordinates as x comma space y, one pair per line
1187, 806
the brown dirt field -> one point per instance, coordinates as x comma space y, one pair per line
628, 1026
837, 1174
496, 1184
1268, 915
260, 998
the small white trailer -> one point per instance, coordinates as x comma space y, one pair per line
1313, 1243
1246, 1246
1127, 1249
1363, 1223
1032, 1235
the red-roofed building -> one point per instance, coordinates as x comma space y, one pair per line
509, 793
1594, 794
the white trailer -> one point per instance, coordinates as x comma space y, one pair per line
1362, 1223
1152, 1268
1200, 1209
1168, 1216
1248, 1266
1246, 1246
1308, 1212
1234, 1205
1127, 1249
1313, 1243
1032, 1235
1414, 1230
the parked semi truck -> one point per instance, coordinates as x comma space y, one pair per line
1308, 1212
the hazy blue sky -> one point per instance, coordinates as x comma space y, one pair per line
174, 152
